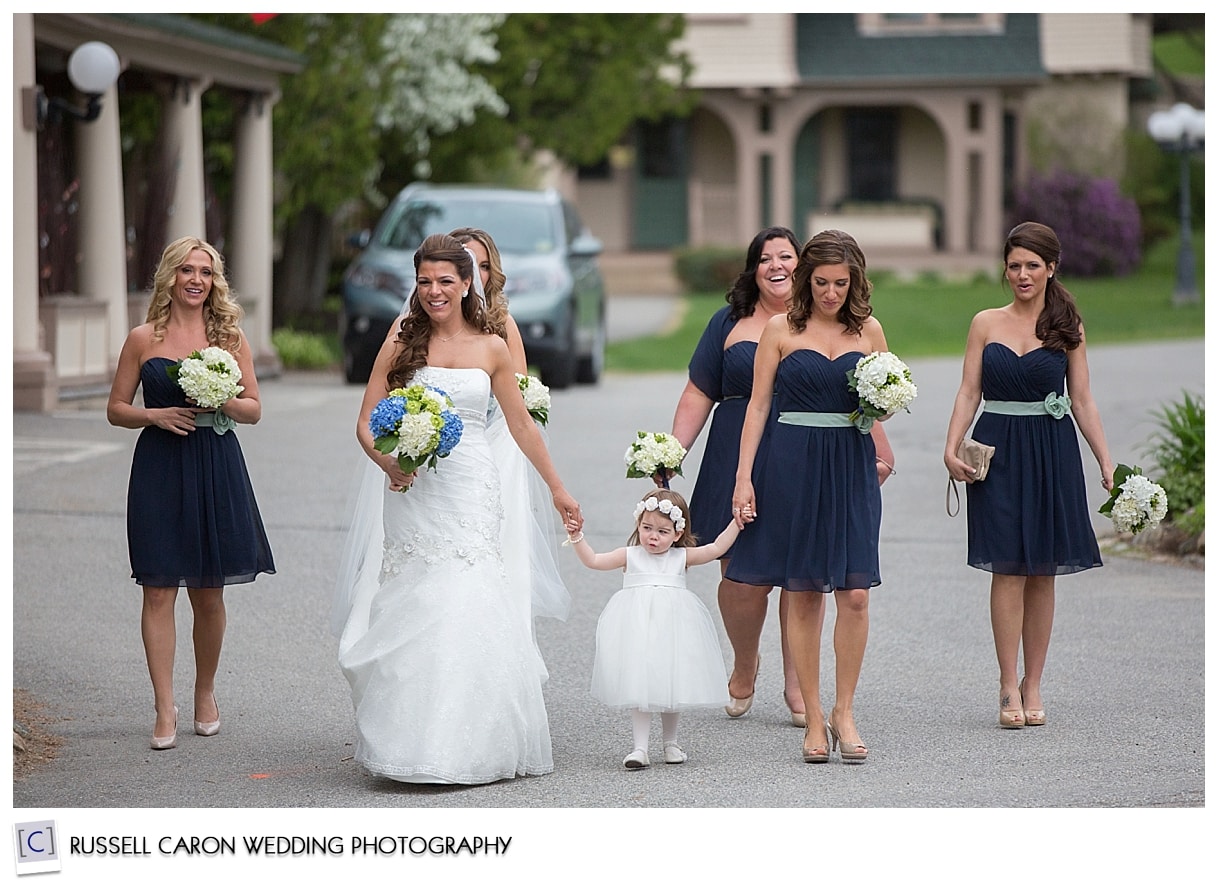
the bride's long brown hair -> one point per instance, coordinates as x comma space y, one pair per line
414, 330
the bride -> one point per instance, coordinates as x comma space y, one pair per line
445, 677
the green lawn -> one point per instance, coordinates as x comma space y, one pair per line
931, 318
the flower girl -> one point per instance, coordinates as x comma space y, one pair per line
656, 645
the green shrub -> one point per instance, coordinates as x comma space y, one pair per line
709, 269
305, 351
1178, 447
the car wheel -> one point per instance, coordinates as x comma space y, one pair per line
558, 371
589, 367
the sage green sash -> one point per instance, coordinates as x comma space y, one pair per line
818, 420
1054, 405
219, 421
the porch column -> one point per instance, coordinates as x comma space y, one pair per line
990, 236
103, 224
748, 182
35, 386
783, 180
184, 124
955, 211
251, 247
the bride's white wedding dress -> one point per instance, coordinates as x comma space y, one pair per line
437, 645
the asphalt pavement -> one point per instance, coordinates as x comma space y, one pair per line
1124, 688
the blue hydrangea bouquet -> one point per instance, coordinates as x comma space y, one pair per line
419, 425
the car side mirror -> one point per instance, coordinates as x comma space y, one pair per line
360, 240
586, 245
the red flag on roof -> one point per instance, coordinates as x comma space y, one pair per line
262, 17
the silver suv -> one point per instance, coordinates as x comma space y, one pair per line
554, 287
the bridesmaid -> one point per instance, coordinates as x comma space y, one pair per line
719, 386
817, 495
1029, 520
192, 520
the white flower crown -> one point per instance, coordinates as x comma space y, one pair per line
663, 506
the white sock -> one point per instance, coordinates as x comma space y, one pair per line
642, 728
668, 723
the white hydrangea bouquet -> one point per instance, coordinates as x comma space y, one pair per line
884, 385
419, 425
1136, 502
536, 397
654, 453
209, 377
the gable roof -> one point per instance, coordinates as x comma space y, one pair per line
830, 49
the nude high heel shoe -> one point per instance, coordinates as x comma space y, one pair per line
738, 707
1010, 717
167, 742
1031, 716
798, 720
851, 751
211, 728
819, 753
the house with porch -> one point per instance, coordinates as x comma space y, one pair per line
908, 130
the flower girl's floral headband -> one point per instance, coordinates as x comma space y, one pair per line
663, 506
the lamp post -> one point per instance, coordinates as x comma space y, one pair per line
93, 68
1182, 130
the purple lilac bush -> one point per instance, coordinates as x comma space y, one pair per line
1100, 229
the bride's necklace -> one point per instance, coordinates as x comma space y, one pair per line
453, 337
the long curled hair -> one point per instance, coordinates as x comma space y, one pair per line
414, 330
221, 313
1057, 326
744, 294
826, 248
496, 302
688, 539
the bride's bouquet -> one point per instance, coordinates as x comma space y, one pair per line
419, 425
1136, 502
884, 386
209, 376
654, 453
536, 397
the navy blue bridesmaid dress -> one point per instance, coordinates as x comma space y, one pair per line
1030, 515
818, 494
192, 519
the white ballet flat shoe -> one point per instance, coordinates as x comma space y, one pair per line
673, 753
637, 759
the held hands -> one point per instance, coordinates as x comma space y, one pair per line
742, 504
568, 510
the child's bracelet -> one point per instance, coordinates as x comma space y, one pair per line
575, 540
891, 469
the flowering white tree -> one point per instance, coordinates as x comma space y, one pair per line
426, 76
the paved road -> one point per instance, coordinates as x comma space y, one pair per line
1124, 688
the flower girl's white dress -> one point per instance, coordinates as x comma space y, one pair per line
445, 677
657, 648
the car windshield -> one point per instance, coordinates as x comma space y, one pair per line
517, 227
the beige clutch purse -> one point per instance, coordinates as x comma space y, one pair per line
978, 457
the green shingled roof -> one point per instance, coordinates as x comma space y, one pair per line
191, 28
829, 48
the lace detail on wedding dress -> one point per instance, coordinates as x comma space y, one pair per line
458, 537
